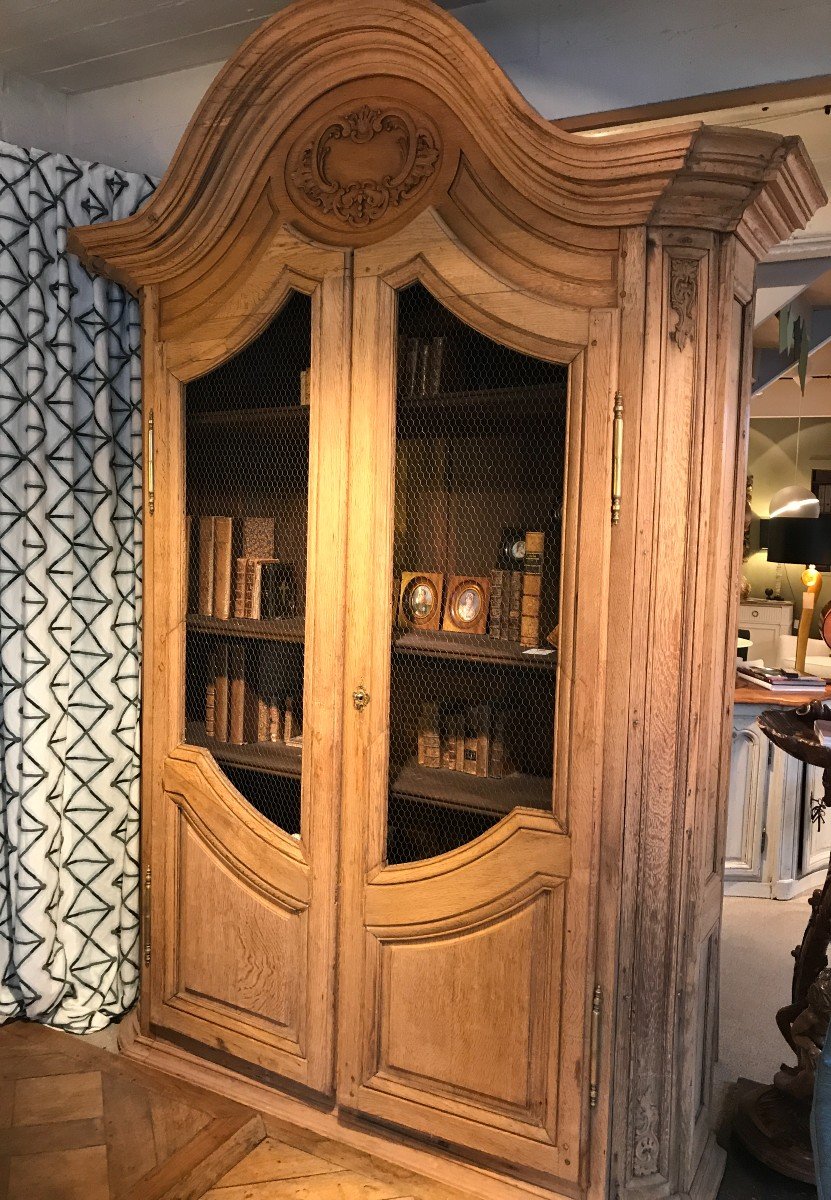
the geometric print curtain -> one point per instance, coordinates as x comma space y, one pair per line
70, 600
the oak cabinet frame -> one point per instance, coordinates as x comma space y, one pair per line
347, 150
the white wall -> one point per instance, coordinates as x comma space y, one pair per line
566, 58
32, 115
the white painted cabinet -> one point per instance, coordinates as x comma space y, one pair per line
765, 620
747, 808
772, 849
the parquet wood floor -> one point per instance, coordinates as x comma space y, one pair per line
80, 1123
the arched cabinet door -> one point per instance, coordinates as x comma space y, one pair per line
246, 387
479, 512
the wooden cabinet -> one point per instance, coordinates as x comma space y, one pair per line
466, 908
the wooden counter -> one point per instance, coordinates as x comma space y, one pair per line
746, 693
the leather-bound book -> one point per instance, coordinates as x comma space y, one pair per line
223, 560
471, 742
236, 689
422, 367
532, 589
496, 762
221, 693
275, 722
210, 709
514, 606
206, 566
459, 738
240, 571
262, 719
429, 736
291, 726
407, 364
497, 583
435, 358
254, 587
483, 740
258, 537
448, 742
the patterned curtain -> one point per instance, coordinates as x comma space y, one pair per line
70, 596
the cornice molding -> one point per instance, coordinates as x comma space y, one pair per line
315, 51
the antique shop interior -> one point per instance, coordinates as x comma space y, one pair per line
415, 600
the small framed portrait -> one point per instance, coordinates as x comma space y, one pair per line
419, 605
512, 550
466, 604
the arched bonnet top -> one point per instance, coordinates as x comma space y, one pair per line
344, 119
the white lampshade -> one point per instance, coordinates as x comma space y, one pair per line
794, 501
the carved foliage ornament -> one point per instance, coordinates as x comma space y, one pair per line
683, 292
647, 1144
360, 166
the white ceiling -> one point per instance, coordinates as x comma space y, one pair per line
78, 45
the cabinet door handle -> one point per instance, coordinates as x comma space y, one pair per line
360, 697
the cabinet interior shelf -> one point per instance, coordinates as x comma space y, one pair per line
269, 758
281, 419
286, 629
457, 789
471, 648
510, 403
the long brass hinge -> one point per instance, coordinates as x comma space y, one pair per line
617, 457
147, 917
594, 1059
151, 462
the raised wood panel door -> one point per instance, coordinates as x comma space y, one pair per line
472, 768
244, 633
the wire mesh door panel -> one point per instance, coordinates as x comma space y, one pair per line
247, 470
480, 460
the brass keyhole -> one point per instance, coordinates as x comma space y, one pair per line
360, 697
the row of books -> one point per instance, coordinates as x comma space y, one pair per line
238, 712
471, 740
420, 366
776, 679
233, 568
515, 596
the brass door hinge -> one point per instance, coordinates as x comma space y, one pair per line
151, 463
147, 917
617, 457
594, 1058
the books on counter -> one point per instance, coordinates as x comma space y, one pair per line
240, 710
470, 740
822, 731
776, 679
234, 570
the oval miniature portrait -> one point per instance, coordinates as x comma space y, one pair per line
421, 600
468, 605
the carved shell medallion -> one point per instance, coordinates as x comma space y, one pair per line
361, 166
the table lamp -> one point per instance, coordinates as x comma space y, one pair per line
804, 541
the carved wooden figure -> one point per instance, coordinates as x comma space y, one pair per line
529, 1006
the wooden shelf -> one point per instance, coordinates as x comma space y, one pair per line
489, 407
269, 758
282, 419
457, 789
288, 629
470, 647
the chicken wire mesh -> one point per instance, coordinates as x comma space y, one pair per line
247, 483
480, 460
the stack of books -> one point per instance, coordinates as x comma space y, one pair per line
776, 679
470, 740
516, 595
239, 712
234, 569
